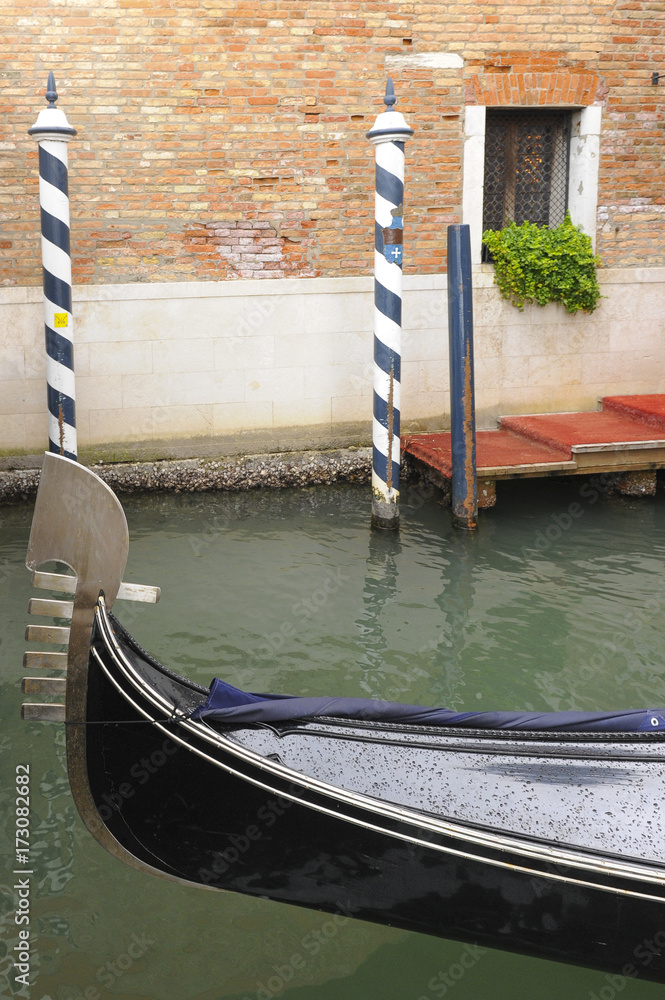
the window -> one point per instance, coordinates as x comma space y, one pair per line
580, 173
526, 167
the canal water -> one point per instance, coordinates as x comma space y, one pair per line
556, 603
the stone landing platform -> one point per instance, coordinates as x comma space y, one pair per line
626, 436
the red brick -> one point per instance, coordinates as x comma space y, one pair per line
230, 102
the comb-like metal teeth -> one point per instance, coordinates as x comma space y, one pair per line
46, 633
42, 660
56, 609
42, 712
66, 584
139, 592
43, 686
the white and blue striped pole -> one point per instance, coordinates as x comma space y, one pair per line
388, 135
53, 132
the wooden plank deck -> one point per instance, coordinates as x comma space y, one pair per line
627, 435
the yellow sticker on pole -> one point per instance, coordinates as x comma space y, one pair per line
61, 319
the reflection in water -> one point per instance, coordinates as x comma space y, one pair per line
456, 602
379, 592
291, 591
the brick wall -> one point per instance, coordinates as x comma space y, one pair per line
226, 138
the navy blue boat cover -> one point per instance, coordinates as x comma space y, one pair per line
226, 703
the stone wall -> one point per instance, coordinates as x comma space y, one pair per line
227, 367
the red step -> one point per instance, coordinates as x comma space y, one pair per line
566, 430
542, 443
499, 450
648, 407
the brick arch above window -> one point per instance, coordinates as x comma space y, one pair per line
560, 88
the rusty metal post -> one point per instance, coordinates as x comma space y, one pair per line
462, 399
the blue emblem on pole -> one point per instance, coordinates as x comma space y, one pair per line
394, 254
392, 241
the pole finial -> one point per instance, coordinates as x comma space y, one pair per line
52, 121
389, 98
51, 92
390, 125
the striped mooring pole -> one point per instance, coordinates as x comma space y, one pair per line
53, 132
388, 135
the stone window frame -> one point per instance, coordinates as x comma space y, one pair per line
583, 167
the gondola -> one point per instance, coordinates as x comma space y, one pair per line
539, 834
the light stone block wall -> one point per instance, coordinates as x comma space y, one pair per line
253, 364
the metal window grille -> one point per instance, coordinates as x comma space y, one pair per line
526, 168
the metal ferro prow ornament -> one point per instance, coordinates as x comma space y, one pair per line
78, 521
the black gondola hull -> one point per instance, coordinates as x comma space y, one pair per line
196, 811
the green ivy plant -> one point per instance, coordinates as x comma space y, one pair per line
537, 264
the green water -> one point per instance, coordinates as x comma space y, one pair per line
556, 603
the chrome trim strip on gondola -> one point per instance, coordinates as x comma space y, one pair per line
368, 826
395, 812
